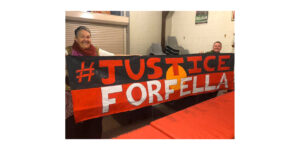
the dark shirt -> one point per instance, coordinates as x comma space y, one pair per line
212, 52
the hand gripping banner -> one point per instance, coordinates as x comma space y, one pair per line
107, 85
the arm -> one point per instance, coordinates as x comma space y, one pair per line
106, 53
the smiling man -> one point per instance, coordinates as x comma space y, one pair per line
216, 47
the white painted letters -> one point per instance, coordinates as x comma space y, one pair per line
107, 101
129, 94
152, 92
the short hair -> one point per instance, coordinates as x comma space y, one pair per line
218, 42
82, 28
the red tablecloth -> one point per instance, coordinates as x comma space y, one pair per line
147, 132
212, 119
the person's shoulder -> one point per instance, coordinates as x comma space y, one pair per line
210, 52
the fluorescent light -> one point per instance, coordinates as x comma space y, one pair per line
87, 15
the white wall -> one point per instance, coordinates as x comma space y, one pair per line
200, 37
145, 29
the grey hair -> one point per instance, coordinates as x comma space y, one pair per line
82, 28
218, 42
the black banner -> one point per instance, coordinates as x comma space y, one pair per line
90, 72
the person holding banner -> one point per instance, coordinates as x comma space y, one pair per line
90, 129
217, 47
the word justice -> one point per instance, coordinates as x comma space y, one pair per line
158, 71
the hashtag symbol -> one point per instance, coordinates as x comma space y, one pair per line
81, 75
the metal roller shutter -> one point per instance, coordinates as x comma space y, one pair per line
107, 37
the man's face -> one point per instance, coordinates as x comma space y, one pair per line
83, 39
217, 47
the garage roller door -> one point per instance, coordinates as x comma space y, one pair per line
104, 36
